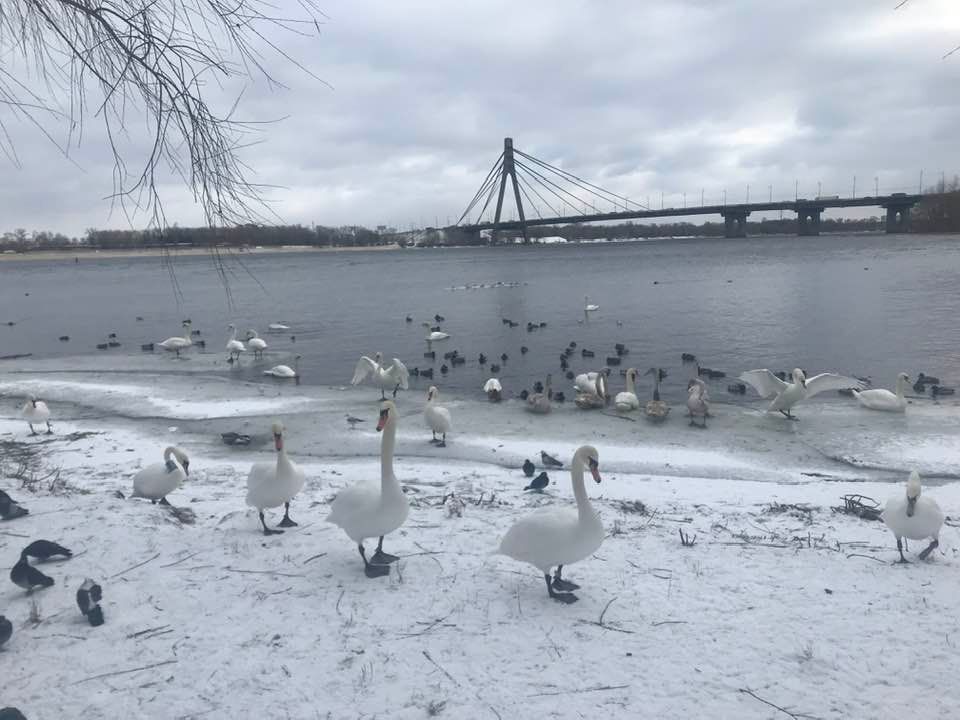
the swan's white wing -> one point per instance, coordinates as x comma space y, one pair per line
399, 371
365, 366
492, 384
831, 381
764, 382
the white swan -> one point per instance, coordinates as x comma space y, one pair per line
271, 485
493, 389
698, 403
234, 346
393, 377
586, 382
914, 517
596, 398
437, 417
786, 395
367, 509
587, 306
255, 343
36, 411
176, 344
285, 371
627, 401
277, 327
882, 399
158, 480
555, 536
435, 334
539, 403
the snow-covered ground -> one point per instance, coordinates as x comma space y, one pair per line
801, 608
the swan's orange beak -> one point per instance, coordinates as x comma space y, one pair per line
383, 419
278, 441
595, 470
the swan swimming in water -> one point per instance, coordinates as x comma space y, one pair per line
176, 344
368, 509
234, 346
36, 411
158, 480
587, 306
394, 377
883, 399
437, 417
786, 395
627, 401
271, 485
558, 536
285, 371
277, 327
256, 343
914, 517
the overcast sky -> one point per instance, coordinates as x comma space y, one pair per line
638, 97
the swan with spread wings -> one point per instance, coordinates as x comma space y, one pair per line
787, 394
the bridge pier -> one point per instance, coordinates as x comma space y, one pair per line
898, 217
735, 223
808, 221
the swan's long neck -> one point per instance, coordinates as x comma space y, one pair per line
283, 462
656, 386
584, 509
901, 387
387, 478
631, 387
233, 334
168, 454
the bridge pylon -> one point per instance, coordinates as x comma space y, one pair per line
509, 169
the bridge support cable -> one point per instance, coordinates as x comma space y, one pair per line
492, 177
599, 191
548, 181
530, 202
530, 184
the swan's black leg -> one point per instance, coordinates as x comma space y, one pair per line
443, 442
933, 544
153, 502
434, 440
286, 522
371, 570
382, 558
32, 431
49, 429
900, 548
396, 387
564, 597
563, 585
383, 395
266, 530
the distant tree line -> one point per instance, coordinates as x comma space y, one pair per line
939, 213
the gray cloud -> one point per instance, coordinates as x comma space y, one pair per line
675, 96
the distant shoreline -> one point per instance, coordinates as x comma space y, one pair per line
90, 254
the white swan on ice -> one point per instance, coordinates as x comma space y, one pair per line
158, 480
628, 400
437, 417
176, 344
493, 389
256, 343
234, 346
557, 536
395, 376
271, 485
285, 371
36, 411
883, 399
372, 510
913, 516
786, 395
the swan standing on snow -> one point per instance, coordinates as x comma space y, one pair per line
271, 485
176, 344
882, 399
395, 376
559, 536
156, 481
285, 371
36, 411
786, 395
587, 306
586, 382
657, 409
539, 403
698, 401
256, 343
234, 346
627, 401
437, 417
493, 389
367, 510
914, 517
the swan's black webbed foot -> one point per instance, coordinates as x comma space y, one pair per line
382, 558
563, 585
929, 549
900, 550
566, 598
266, 530
371, 570
163, 501
442, 443
287, 521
